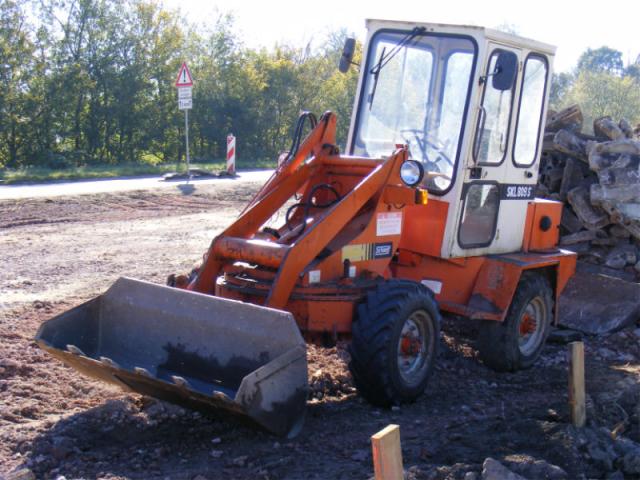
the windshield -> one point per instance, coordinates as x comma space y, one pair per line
416, 96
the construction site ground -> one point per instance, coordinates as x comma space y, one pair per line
56, 253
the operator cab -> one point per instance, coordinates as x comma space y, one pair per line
469, 103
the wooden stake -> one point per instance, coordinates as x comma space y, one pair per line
387, 454
576, 384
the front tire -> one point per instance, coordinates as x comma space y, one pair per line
394, 342
517, 342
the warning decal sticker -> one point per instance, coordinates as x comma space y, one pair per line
389, 223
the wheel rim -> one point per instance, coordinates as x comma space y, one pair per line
413, 350
531, 326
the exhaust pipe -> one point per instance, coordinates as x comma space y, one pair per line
194, 350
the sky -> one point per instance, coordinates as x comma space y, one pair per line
570, 25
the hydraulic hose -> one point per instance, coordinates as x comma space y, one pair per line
298, 132
308, 205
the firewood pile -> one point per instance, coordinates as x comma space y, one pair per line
597, 177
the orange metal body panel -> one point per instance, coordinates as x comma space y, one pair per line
483, 287
425, 232
456, 275
535, 237
330, 316
566, 269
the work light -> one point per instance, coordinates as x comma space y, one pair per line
411, 172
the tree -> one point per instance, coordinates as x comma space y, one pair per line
561, 84
158, 49
633, 70
16, 71
601, 60
227, 93
601, 86
92, 82
337, 92
600, 94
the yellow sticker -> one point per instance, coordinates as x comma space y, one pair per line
367, 251
356, 253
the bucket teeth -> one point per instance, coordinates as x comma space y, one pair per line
142, 371
180, 381
110, 363
75, 350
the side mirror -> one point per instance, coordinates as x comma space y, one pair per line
504, 74
347, 55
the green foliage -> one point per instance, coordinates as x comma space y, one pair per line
601, 60
633, 70
561, 84
601, 85
91, 82
17, 69
600, 94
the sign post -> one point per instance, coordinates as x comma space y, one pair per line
184, 83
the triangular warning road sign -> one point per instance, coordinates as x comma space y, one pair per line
184, 77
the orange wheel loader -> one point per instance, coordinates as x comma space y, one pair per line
432, 210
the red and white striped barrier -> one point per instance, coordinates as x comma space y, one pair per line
231, 154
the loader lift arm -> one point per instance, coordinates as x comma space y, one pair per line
236, 243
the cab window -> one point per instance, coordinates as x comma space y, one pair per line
534, 84
493, 128
479, 215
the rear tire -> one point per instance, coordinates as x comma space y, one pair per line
394, 342
517, 342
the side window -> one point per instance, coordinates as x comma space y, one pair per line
493, 135
478, 222
534, 83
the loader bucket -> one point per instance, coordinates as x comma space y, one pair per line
187, 348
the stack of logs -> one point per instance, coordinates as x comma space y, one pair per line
597, 177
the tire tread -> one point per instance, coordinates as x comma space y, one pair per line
498, 342
371, 334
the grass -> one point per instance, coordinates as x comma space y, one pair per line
42, 174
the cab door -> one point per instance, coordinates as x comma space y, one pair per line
492, 207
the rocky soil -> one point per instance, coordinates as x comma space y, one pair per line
472, 422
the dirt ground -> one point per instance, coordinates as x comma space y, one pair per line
55, 422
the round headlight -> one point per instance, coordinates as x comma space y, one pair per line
411, 172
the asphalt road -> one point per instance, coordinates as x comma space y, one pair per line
83, 187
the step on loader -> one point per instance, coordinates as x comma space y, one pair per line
431, 210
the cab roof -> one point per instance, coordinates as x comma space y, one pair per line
473, 30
